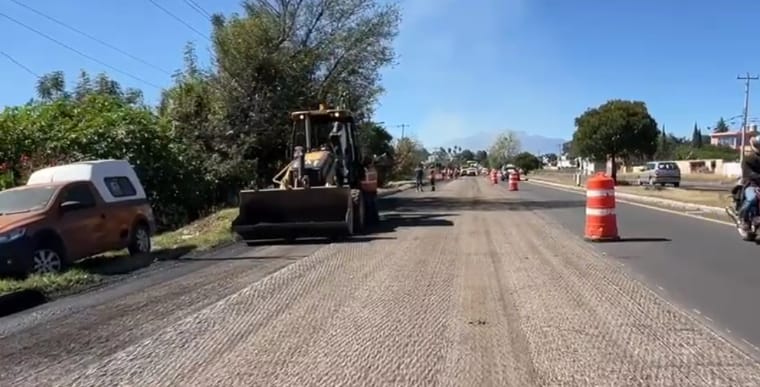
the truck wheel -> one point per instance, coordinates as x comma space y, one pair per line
48, 257
139, 242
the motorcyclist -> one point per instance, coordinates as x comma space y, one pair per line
750, 182
419, 174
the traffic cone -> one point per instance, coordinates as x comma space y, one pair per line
514, 179
601, 221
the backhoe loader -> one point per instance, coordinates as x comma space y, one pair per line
326, 188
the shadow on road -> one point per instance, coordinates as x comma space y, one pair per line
314, 240
391, 222
18, 301
650, 239
410, 204
124, 263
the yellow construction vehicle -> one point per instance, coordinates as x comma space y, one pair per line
326, 189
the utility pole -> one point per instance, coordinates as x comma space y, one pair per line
747, 79
402, 126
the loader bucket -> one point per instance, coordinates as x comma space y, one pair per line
275, 213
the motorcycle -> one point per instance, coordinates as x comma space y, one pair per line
737, 197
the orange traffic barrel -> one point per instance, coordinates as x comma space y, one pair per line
514, 179
601, 221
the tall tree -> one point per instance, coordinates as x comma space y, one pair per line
276, 57
617, 128
696, 137
721, 126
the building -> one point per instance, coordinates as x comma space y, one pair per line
733, 139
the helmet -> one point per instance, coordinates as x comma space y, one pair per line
754, 143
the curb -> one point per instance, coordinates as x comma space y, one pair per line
641, 198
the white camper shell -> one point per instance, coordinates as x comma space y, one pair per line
105, 175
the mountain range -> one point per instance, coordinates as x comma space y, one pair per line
532, 143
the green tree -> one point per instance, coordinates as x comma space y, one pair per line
275, 58
467, 155
664, 145
696, 137
616, 129
103, 127
408, 154
721, 126
526, 161
52, 86
375, 140
506, 146
481, 156
551, 158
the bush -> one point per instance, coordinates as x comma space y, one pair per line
104, 127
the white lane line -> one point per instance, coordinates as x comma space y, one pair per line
674, 212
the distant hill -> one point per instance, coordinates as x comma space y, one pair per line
529, 142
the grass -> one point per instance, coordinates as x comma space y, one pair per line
51, 283
203, 234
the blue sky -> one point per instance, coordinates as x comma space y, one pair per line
465, 67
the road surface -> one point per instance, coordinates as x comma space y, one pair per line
470, 285
702, 265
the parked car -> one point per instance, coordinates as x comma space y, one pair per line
661, 172
69, 212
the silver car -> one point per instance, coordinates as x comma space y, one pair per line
661, 172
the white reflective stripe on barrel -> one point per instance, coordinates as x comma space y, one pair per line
597, 193
600, 211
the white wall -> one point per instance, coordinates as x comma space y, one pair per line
732, 169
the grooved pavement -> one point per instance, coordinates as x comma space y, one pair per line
474, 288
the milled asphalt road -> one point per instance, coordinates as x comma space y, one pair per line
701, 265
470, 285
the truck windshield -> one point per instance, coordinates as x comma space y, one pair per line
25, 199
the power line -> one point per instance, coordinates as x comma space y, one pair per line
19, 64
747, 79
96, 60
177, 18
194, 5
111, 46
